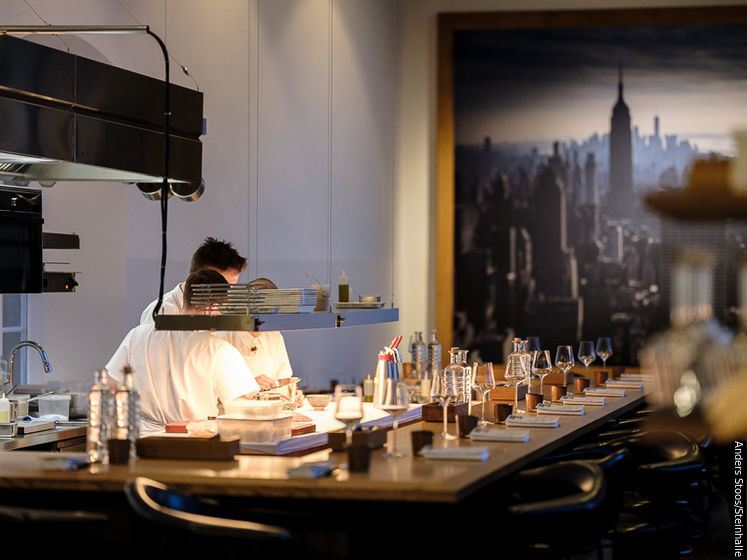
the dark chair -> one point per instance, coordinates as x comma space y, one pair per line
188, 526
545, 504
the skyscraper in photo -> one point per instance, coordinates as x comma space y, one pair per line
620, 199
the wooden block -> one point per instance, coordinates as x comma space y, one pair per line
506, 393
558, 378
373, 438
298, 429
204, 449
433, 412
177, 427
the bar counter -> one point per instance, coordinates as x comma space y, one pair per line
409, 479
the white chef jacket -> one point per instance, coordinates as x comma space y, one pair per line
264, 352
180, 375
172, 304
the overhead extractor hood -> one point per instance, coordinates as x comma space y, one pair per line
68, 118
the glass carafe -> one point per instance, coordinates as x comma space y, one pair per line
456, 369
468, 373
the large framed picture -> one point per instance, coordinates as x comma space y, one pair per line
552, 126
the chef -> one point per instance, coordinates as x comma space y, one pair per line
213, 255
182, 375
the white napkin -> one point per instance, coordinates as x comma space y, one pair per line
591, 401
547, 408
532, 421
499, 434
607, 392
627, 383
455, 453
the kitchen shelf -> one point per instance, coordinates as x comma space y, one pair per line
276, 321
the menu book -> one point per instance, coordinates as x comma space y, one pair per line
546, 408
591, 401
499, 434
623, 383
455, 453
598, 391
533, 421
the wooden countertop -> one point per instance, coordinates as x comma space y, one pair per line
407, 479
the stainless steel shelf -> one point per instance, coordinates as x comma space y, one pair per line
276, 321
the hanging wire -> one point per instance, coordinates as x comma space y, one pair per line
46, 23
171, 56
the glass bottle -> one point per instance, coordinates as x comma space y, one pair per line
433, 356
100, 415
458, 371
468, 373
527, 359
516, 370
418, 355
127, 410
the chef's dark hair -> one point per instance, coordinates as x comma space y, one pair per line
219, 255
205, 276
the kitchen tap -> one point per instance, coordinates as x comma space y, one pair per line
38, 348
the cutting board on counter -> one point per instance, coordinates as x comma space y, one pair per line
191, 448
297, 428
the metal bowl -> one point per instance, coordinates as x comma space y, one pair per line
369, 299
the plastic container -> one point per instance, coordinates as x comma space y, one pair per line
259, 410
55, 404
255, 430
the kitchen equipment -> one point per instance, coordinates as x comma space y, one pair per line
369, 299
55, 404
258, 409
319, 402
8, 429
256, 430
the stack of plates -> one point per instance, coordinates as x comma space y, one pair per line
287, 300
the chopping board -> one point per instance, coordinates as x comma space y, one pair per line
206, 449
301, 428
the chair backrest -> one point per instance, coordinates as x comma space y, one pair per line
157, 503
616, 469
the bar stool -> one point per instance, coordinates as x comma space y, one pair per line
546, 503
187, 526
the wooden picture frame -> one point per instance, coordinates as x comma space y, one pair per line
448, 25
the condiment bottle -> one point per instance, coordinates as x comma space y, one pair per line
4, 409
343, 289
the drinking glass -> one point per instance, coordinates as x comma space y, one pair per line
533, 347
515, 374
444, 390
604, 349
483, 381
348, 408
542, 366
394, 401
564, 360
586, 354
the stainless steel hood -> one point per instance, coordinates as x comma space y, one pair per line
64, 117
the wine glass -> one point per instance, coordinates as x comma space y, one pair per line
533, 347
604, 349
586, 354
348, 408
483, 381
564, 360
444, 390
394, 401
542, 366
515, 374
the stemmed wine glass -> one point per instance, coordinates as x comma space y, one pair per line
586, 354
348, 408
604, 349
444, 390
515, 374
394, 401
542, 366
564, 359
533, 347
483, 381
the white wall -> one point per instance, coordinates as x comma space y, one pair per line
298, 161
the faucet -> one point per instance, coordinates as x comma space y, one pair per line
38, 348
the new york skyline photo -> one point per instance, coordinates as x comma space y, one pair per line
558, 133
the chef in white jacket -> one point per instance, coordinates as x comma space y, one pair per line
213, 254
182, 375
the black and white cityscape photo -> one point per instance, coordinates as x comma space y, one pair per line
558, 135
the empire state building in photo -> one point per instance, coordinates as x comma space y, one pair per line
620, 199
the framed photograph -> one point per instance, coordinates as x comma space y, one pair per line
552, 126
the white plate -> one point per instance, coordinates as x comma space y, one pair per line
359, 305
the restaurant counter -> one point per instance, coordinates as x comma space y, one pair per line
409, 479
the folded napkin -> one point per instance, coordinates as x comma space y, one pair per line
591, 401
499, 434
597, 391
533, 421
637, 376
547, 408
627, 383
455, 453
